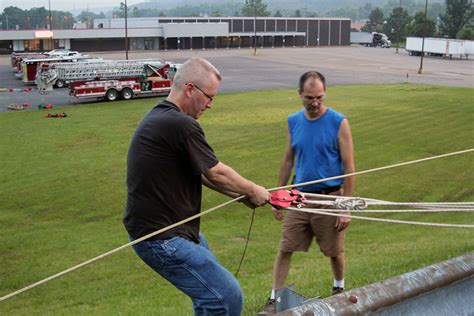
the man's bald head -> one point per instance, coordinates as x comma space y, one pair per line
195, 70
309, 78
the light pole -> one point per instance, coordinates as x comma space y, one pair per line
126, 31
255, 27
398, 28
420, 70
51, 25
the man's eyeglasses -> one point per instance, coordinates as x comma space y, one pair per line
207, 95
310, 98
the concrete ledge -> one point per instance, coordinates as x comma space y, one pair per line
397, 290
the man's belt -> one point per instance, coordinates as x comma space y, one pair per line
327, 191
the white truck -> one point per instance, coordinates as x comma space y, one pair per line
443, 47
370, 39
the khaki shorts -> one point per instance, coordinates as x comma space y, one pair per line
299, 228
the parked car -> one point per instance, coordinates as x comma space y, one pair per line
62, 52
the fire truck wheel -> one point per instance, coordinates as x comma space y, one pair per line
60, 84
126, 94
111, 95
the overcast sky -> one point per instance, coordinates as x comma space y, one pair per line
65, 5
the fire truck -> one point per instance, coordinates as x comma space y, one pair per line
16, 59
151, 80
59, 75
110, 80
29, 66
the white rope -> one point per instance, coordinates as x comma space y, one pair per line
358, 203
379, 202
441, 204
374, 170
459, 206
57, 275
426, 205
384, 220
136, 241
378, 211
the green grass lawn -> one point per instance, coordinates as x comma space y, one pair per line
62, 195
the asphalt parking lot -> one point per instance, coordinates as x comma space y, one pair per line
279, 68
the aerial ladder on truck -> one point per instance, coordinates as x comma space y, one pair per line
109, 79
61, 74
29, 66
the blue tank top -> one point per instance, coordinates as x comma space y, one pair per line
316, 149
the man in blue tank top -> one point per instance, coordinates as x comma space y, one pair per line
319, 145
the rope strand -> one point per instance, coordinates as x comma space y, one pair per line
246, 244
374, 170
459, 206
385, 220
379, 211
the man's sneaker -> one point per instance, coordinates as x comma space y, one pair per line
269, 308
337, 290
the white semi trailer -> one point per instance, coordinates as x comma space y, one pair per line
444, 47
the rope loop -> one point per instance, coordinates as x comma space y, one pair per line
350, 204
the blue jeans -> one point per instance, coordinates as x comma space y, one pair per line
194, 270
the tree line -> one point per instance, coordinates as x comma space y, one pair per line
455, 22
453, 19
36, 18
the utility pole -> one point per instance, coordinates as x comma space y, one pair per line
398, 28
305, 11
255, 27
420, 70
126, 31
51, 25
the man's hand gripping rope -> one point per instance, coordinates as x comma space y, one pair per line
282, 199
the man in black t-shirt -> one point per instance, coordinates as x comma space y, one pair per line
168, 161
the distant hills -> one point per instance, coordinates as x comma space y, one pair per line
286, 7
273, 5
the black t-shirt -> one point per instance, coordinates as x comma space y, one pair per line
166, 158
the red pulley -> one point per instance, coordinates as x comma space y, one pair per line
283, 198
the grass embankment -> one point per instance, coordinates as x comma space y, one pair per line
62, 194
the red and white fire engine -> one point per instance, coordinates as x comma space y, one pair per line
109, 79
16, 59
151, 80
